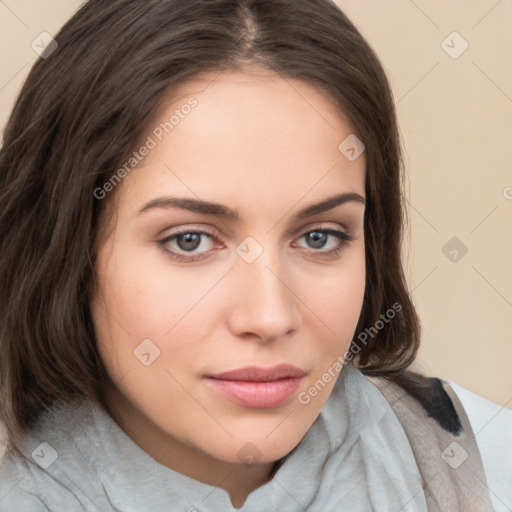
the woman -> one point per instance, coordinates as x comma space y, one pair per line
202, 294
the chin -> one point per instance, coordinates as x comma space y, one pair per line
266, 447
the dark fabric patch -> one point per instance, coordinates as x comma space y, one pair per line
429, 392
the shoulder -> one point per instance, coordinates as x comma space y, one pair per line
429, 392
434, 396
18, 485
490, 423
492, 428
25, 486
50, 472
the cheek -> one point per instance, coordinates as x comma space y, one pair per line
142, 299
335, 311
335, 298
146, 296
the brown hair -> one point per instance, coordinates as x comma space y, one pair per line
78, 116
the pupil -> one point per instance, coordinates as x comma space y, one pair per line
318, 239
191, 241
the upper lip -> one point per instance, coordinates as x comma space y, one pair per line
259, 374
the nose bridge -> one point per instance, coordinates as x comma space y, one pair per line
263, 301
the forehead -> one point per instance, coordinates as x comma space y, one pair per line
259, 99
246, 136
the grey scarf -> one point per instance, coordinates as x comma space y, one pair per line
374, 447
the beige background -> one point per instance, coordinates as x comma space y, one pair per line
456, 120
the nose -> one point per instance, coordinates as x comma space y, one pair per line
264, 303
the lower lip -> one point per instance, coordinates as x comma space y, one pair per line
257, 395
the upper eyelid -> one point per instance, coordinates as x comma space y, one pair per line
202, 231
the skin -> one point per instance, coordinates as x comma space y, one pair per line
267, 147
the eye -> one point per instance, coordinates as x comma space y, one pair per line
189, 245
187, 241
317, 239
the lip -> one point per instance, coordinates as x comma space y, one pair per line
258, 387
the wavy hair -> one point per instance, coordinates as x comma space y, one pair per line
76, 120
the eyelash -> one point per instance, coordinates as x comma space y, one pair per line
343, 238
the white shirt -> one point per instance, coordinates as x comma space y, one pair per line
492, 426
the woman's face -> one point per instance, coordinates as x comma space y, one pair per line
272, 286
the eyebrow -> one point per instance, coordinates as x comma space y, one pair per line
222, 211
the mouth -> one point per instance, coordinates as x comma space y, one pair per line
256, 387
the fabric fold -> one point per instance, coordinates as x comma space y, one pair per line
356, 456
